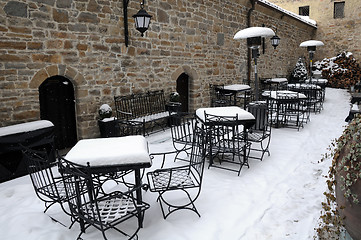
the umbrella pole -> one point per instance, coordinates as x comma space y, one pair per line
255, 55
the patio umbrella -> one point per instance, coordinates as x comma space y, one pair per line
311, 48
254, 36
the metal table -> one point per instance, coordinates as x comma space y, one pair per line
242, 117
280, 97
235, 89
110, 155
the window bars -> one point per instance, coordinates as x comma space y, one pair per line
338, 11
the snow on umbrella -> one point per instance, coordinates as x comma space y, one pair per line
311, 43
254, 32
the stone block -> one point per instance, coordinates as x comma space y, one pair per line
17, 9
60, 16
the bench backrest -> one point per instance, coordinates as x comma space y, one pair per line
139, 105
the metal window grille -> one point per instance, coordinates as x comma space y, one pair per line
304, 11
339, 10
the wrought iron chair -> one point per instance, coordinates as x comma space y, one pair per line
224, 138
260, 133
94, 207
293, 111
48, 188
182, 126
185, 179
218, 97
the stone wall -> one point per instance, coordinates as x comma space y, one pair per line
83, 40
341, 34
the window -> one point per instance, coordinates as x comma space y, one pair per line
338, 11
304, 11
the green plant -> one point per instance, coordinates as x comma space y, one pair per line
345, 153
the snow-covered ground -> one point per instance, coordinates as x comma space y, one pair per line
277, 198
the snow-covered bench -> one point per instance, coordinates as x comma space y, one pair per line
140, 113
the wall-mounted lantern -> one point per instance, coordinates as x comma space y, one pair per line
141, 18
275, 41
311, 48
254, 39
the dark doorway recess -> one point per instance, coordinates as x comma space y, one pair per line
57, 104
183, 90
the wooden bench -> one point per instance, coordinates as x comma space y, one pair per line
139, 114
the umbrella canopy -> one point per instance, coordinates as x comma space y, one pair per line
311, 43
254, 32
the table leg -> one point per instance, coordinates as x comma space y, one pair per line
138, 183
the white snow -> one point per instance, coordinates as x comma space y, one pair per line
237, 87
277, 198
311, 43
301, 18
283, 93
224, 111
254, 32
110, 151
25, 127
278, 80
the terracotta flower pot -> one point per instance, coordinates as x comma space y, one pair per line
347, 208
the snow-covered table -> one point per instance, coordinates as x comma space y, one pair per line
279, 100
218, 118
30, 134
277, 82
235, 89
318, 81
110, 155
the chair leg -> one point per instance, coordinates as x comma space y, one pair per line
171, 208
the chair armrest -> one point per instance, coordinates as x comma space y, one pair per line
126, 113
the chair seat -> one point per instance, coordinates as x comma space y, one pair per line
110, 210
168, 179
49, 190
257, 136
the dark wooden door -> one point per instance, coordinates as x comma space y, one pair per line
57, 104
183, 90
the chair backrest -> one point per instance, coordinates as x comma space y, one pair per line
260, 111
39, 164
78, 183
182, 125
198, 153
217, 96
224, 132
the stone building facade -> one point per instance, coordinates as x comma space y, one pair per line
339, 33
82, 41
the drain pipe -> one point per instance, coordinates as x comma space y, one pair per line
249, 53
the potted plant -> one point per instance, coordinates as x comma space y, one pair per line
108, 125
174, 105
342, 207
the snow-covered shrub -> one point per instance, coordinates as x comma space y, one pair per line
299, 73
341, 71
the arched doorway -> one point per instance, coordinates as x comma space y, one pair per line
183, 90
57, 104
